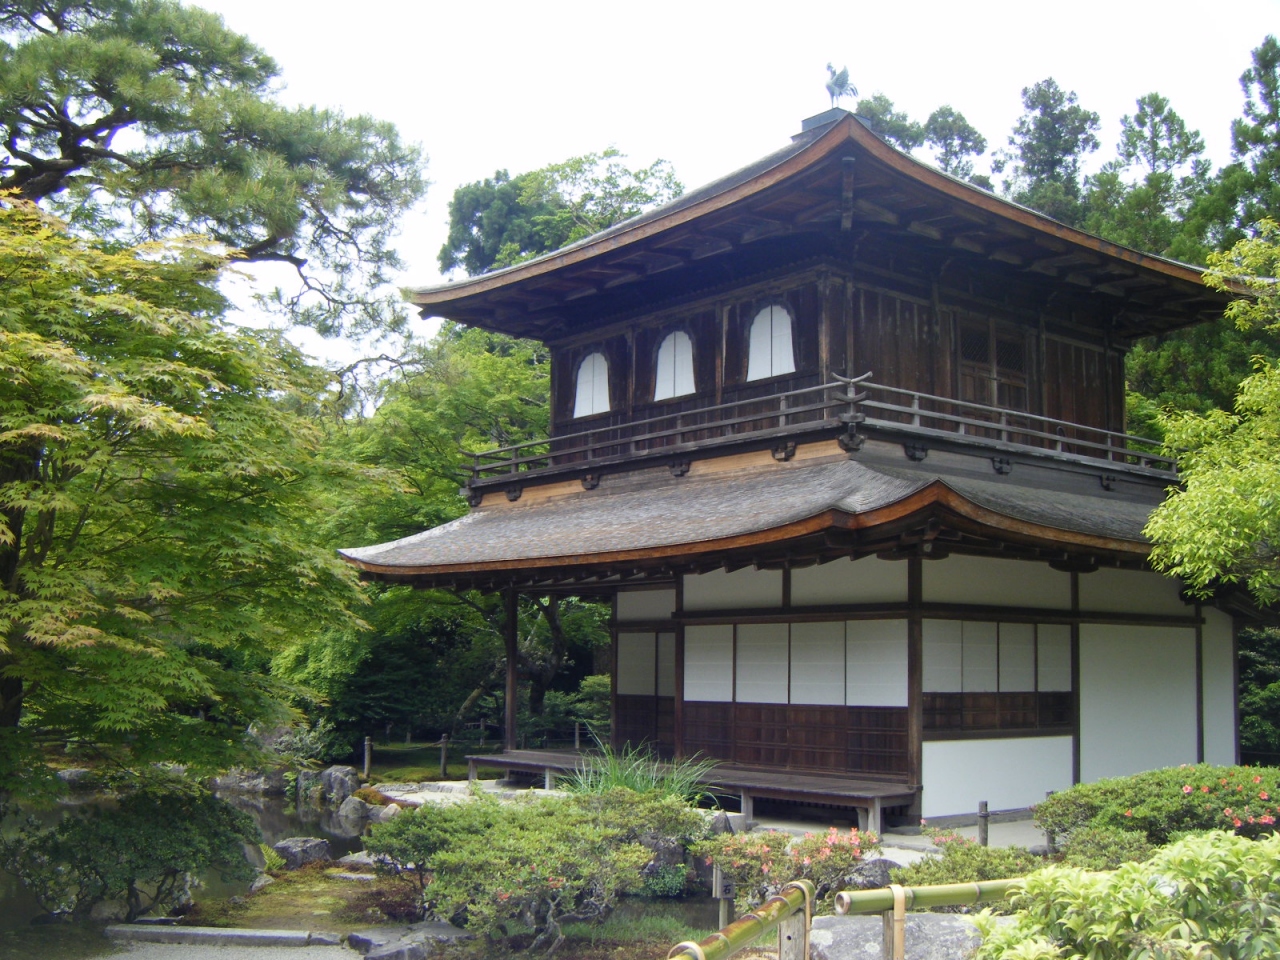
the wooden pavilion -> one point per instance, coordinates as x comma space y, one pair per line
844, 439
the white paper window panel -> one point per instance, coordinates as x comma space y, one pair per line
747, 588
674, 376
979, 669
708, 662
868, 580
817, 663
1131, 591
876, 664
593, 386
1053, 642
1017, 657
636, 653
646, 604
943, 651
770, 352
996, 582
762, 663
666, 664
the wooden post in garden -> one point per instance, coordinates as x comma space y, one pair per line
511, 630
983, 818
368, 755
1050, 841
444, 755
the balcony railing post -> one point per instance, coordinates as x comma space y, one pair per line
915, 409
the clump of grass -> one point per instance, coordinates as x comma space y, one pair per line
636, 768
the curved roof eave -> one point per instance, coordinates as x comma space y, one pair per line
773, 169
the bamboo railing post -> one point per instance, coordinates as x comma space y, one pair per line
368, 755
983, 818
894, 944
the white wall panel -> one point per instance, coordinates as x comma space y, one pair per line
1137, 699
817, 663
1005, 583
708, 662
1131, 591
943, 656
868, 580
636, 652
762, 665
666, 664
743, 589
877, 664
646, 604
979, 667
1017, 656
1053, 657
1219, 687
1009, 774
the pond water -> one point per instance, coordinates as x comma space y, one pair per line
20, 938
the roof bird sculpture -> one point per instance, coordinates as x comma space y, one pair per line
838, 84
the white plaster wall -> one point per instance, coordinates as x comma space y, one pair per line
636, 653
1131, 591
1009, 774
1053, 660
1219, 687
979, 664
743, 589
708, 662
817, 663
868, 580
943, 651
1017, 656
877, 663
988, 581
1137, 699
762, 664
666, 664
646, 605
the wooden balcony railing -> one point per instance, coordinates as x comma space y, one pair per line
849, 405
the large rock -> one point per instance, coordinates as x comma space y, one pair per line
310, 789
339, 783
869, 875
381, 814
250, 781
353, 808
929, 936
297, 851
404, 943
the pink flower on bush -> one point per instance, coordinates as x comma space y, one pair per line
1263, 796
1257, 779
1204, 789
1226, 812
1236, 821
1128, 813
1186, 788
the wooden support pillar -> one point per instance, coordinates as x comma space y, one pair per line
510, 633
915, 676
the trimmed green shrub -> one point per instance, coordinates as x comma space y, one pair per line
1209, 895
143, 852
1104, 848
962, 860
666, 881
761, 863
1161, 803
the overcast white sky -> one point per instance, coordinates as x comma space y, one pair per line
712, 86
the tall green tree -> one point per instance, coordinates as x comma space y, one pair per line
157, 505
501, 221
890, 123
145, 119
955, 141
1047, 144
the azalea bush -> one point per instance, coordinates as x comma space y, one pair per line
536, 864
963, 860
761, 863
1210, 895
1163, 803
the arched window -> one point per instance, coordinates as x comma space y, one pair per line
769, 345
593, 386
674, 377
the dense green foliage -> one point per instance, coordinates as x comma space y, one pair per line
146, 119
157, 494
1214, 895
540, 863
143, 852
961, 860
500, 221
760, 863
1104, 848
1162, 803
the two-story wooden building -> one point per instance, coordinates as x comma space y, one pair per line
929, 585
